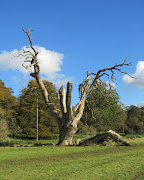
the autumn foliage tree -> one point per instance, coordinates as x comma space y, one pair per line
8, 104
67, 117
6, 98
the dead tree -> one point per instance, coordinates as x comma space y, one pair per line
67, 118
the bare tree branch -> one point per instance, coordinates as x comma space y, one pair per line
28, 34
32, 58
104, 71
92, 110
62, 100
85, 88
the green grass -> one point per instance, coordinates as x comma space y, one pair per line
14, 142
73, 163
20, 142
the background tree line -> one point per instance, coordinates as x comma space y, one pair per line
103, 111
8, 116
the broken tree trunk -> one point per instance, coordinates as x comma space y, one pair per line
68, 118
101, 138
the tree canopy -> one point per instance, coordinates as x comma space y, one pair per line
103, 110
8, 106
7, 100
135, 119
27, 110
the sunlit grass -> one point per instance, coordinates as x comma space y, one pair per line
137, 141
95, 162
14, 142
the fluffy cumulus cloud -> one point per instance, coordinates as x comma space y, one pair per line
139, 76
50, 62
9, 61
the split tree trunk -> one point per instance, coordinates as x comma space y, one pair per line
70, 118
67, 118
66, 134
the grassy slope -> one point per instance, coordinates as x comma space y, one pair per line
73, 162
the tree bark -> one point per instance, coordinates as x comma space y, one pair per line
68, 125
66, 134
101, 138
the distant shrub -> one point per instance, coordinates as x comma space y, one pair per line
7, 143
86, 130
3, 130
130, 136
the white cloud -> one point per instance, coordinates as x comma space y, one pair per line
8, 61
50, 62
139, 76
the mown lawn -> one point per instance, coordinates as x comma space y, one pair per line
96, 162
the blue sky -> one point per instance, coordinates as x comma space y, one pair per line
73, 37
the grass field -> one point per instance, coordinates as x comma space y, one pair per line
11, 142
60, 163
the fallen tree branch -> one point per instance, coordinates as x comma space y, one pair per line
101, 138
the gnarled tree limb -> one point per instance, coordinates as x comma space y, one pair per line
36, 75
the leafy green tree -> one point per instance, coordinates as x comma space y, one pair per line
133, 111
135, 119
103, 110
26, 113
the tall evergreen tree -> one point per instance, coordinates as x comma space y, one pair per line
27, 110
